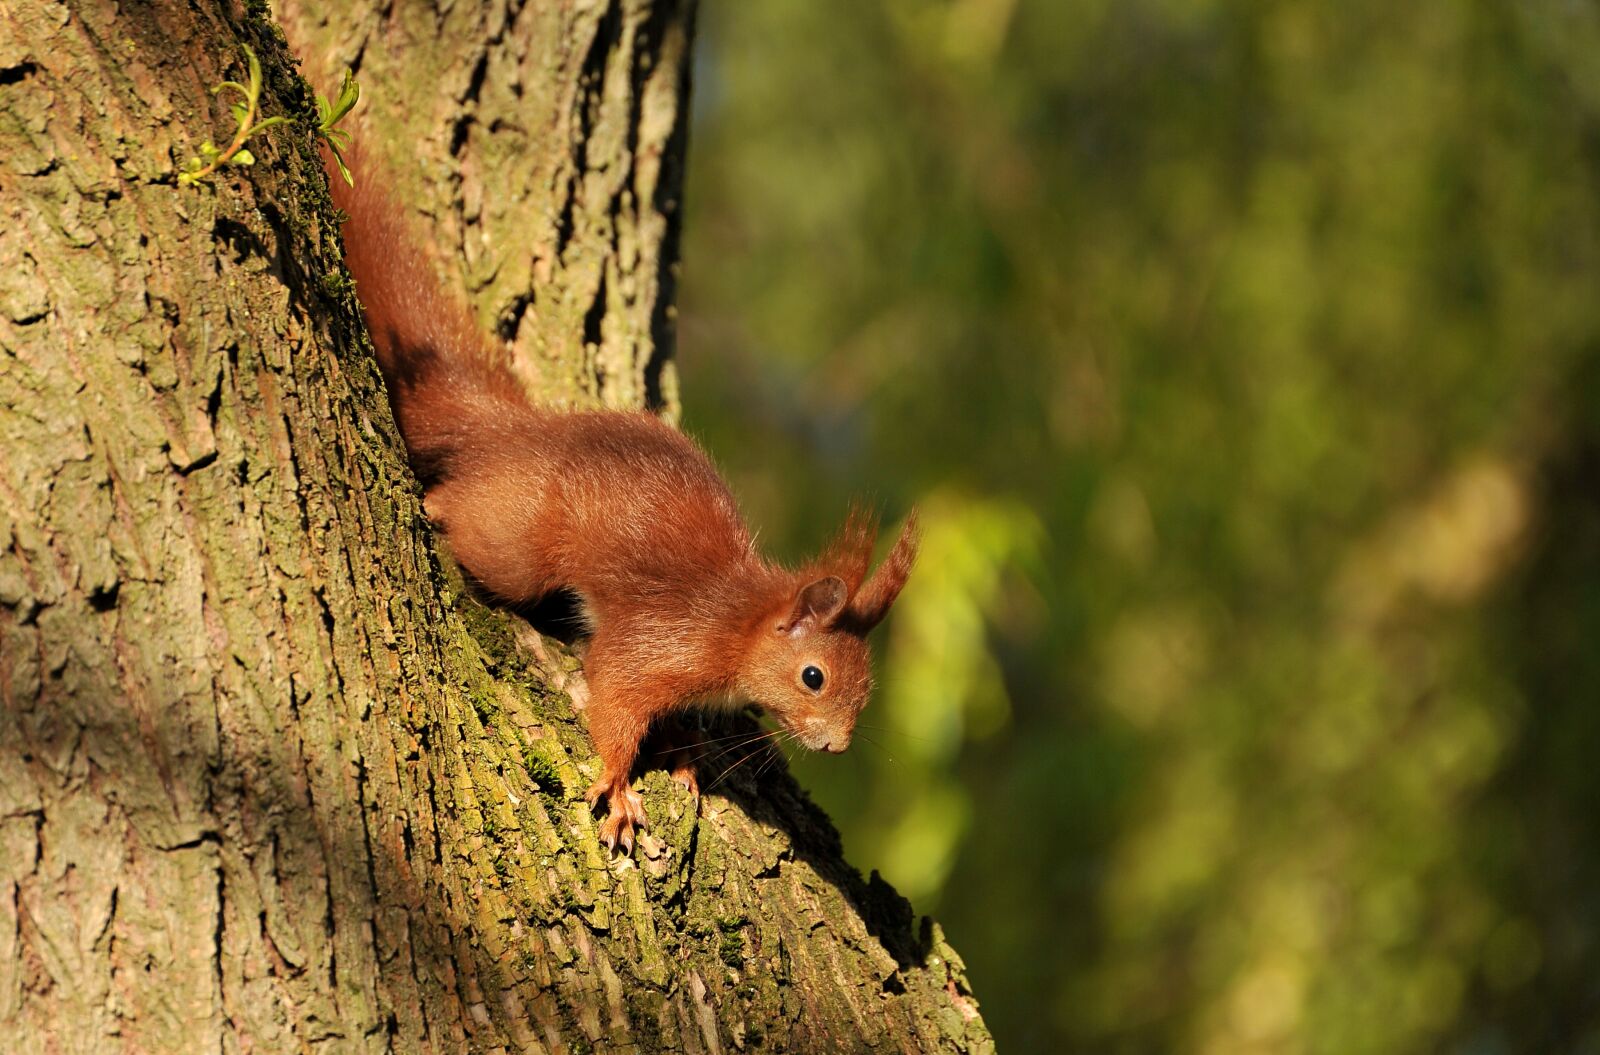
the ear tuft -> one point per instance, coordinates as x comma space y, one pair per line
850, 553
871, 603
818, 603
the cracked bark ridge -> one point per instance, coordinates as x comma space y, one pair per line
268, 782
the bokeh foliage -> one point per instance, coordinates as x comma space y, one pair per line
1245, 360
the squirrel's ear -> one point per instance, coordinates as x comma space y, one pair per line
817, 604
871, 603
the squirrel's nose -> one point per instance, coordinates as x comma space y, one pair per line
836, 747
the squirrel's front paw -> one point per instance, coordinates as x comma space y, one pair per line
625, 813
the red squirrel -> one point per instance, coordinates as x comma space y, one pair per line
623, 510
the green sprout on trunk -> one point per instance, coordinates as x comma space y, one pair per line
246, 113
332, 113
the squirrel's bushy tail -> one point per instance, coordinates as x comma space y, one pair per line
447, 385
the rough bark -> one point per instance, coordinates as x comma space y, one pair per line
268, 781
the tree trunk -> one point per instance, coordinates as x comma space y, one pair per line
268, 781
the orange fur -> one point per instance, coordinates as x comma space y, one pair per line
622, 509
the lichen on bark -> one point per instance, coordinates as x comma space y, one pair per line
269, 779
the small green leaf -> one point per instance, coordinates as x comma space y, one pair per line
235, 85
338, 159
241, 113
349, 95
209, 149
255, 72
242, 157
268, 123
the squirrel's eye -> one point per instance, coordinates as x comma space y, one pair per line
813, 678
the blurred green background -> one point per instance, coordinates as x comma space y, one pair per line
1244, 359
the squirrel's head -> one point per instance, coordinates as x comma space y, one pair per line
809, 665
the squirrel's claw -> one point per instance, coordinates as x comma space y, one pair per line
625, 812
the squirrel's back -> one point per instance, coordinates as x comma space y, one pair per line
616, 504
